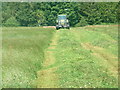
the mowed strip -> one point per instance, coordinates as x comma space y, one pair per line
106, 59
88, 57
47, 77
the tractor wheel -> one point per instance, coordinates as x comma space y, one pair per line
68, 27
57, 28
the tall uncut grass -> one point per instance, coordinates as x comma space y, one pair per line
23, 52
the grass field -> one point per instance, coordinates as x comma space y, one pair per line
88, 57
23, 53
82, 57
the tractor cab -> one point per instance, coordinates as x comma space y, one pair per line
62, 22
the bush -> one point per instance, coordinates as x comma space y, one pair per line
82, 23
11, 22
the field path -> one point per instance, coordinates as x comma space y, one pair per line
47, 77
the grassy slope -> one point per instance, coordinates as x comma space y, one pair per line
88, 57
23, 53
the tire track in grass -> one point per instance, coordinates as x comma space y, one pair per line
109, 59
47, 78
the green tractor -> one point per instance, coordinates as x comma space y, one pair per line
62, 22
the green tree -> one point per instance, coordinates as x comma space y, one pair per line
45, 13
39, 17
11, 22
24, 14
82, 22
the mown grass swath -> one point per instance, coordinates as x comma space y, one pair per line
88, 57
23, 53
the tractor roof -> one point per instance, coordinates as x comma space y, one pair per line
61, 15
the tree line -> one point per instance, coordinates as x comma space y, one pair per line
45, 13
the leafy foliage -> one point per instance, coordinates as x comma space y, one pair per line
81, 23
45, 13
12, 22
